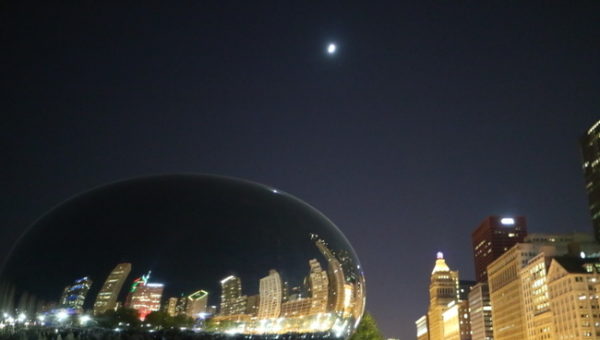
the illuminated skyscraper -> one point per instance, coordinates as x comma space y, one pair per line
232, 300
335, 275
270, 289
590, 151
145, 298
539, 323
506, 293
480, 312
456, 321
140, 281
422, 332
494, 236
319, 287
171, 306
196, 303
443, 289
74, 295
573, 286
107, 297
181, 306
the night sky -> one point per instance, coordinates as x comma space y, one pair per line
428, 118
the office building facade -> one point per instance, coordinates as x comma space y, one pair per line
494, 236
270, 289
74, 295
109, 293
590, 152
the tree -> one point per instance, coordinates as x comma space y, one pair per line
123, 316
367, 329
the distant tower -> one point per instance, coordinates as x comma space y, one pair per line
74, 295
270, 289
443, 289
590, 151
319, 287
107, 297
232, 300
196, 303
171, 307
494, 236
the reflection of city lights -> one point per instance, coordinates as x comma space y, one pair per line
22, 317
62, 316
84, 319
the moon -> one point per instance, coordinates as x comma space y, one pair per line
331, 48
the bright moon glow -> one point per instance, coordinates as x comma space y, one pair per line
331, 48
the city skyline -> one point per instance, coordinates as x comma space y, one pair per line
277, 309
427, 117
114, 291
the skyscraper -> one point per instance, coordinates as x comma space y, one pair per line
506, 293
539, 324
74, 295
107, 297
442, 291
196, 303
494, 236
456, 321
480, 312
171, 306
270, 289
232, 300
335, 275
145, 298
590, 151
573, 285
422, 332
318, 284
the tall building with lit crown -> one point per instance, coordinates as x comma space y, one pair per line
74, 295
196, 303
573, 284
590, 151
107, 297
494, 236
318, 284
232, 300
270, 289
145, 298
480, 312
443, 289
422, 329
539, 324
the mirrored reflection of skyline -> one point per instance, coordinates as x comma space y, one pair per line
233, 256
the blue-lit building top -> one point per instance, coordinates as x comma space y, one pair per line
73, 296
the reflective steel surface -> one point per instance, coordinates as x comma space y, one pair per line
206, 255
